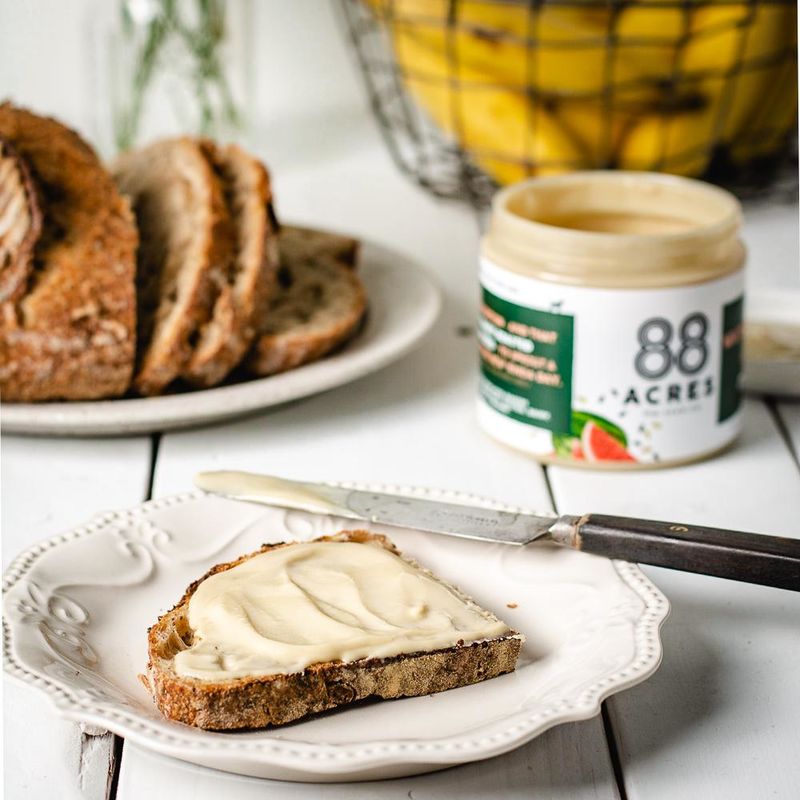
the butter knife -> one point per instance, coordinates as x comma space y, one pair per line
750, 557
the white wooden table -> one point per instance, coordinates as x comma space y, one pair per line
720, 718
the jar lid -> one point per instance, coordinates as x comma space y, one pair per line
615, 228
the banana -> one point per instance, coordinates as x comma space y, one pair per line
676, 142
570, 58
600, 131
651, 23
470, 65
752, 117
487, 48
723, 35
720, 37
648, 34
743, 50
509, 136
768, 130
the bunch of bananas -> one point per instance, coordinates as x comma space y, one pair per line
649, 84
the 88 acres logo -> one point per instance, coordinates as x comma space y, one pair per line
659, 353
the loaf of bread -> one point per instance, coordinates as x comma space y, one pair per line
67, 328
262, 700
164, 274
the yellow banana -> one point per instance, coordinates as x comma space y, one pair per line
599, 130
719, 37
507, 135
767, 131
475, 73
747, 33
570, 58
679, 143
651, 23
752, 118
744, 52
648, 37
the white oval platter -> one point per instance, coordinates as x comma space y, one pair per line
403, 305
77, 607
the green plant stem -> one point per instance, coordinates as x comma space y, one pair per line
207, 73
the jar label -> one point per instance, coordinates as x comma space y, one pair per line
588, 374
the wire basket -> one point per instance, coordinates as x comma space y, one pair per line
471, 94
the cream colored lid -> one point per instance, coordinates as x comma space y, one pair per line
313, 602
644, 229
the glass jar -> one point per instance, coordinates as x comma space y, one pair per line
611, 319
167, 67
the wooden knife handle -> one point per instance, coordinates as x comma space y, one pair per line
750, 557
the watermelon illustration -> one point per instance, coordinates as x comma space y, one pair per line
592, 438
599, 445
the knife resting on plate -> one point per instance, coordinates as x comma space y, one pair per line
750, 557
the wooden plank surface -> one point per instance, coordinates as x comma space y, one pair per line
714, 721
566, 763
413, 423
50, 485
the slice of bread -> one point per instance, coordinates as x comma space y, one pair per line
187, 243
307, 244
257, 702
250, 280
20, 222
71, 333
319, 303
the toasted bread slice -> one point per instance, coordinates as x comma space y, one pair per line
319, 303
183, 260
20, 222
251, 277
71, 333
257, 702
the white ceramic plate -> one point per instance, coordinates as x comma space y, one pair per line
76, 609
403, 305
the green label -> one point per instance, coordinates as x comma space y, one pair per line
730, 395
526, 363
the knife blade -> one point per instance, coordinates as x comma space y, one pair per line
737, 555
453, 519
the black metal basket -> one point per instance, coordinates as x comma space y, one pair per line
474, 93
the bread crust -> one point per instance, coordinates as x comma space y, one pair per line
324, 264
250, 280
71, 335
258, 702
